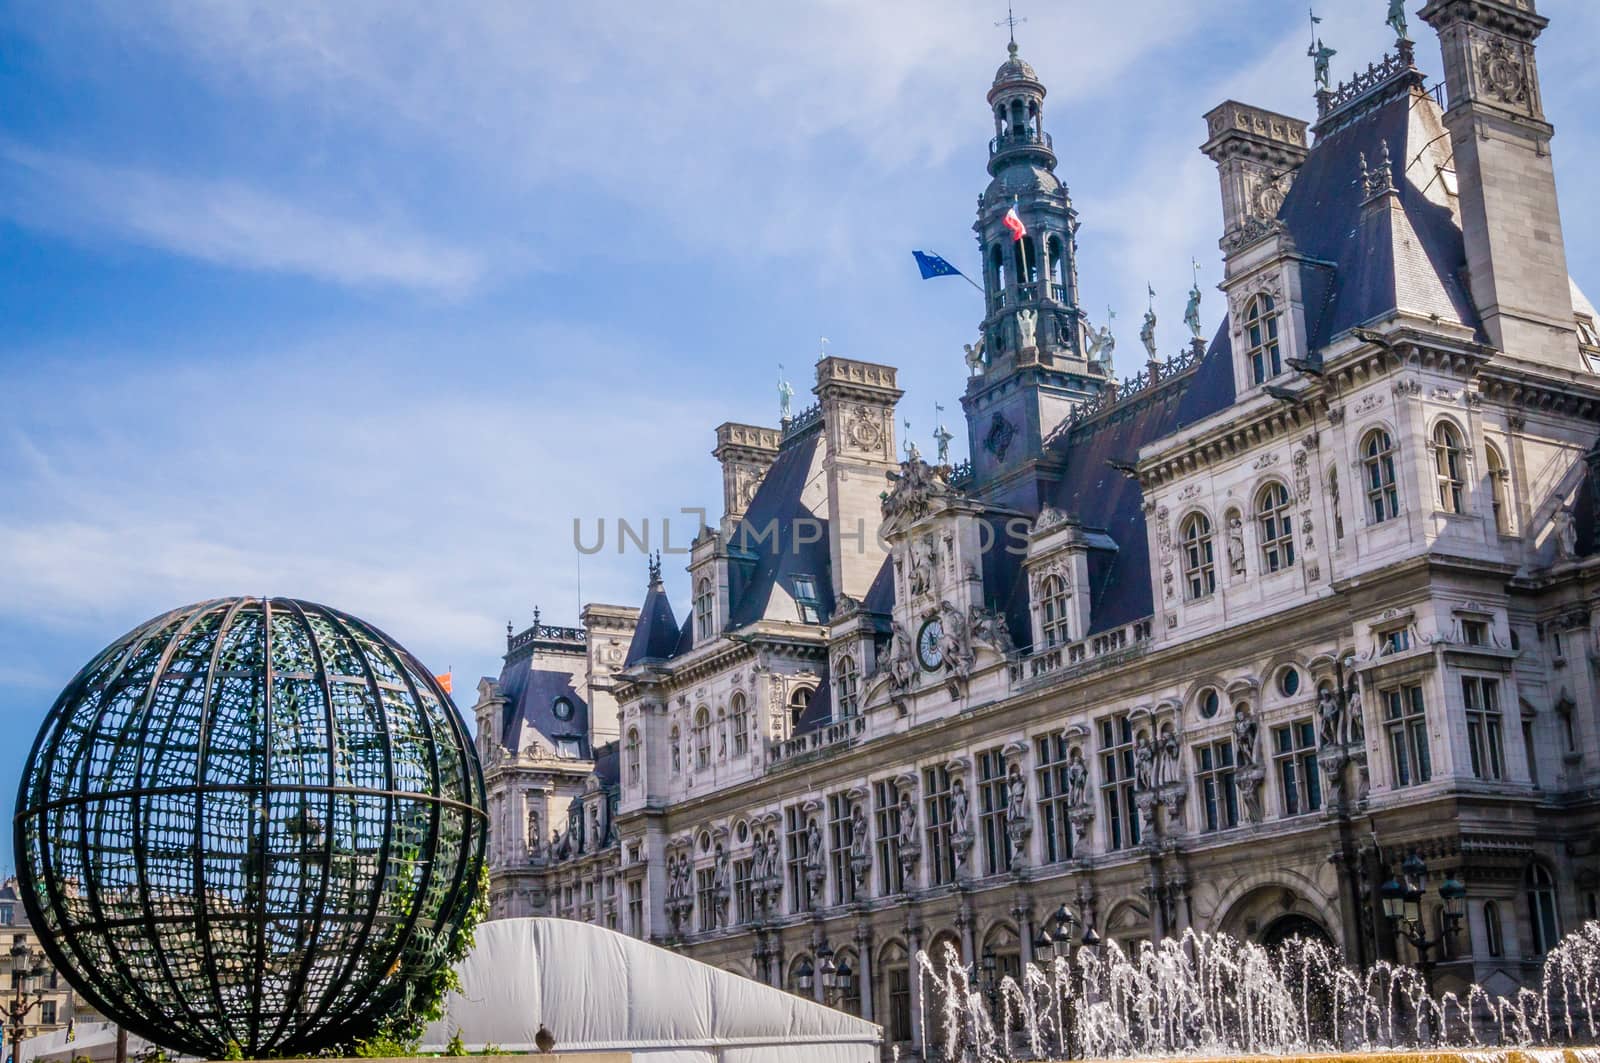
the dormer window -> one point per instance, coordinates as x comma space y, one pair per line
563, 708
1053, 610
799, 702
806, 600
704, 609
1266, 353
849, 687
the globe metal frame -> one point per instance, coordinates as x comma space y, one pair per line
251, 820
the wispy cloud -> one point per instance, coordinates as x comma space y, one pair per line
228, 223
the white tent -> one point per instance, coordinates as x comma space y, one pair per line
96, 1041
597, 990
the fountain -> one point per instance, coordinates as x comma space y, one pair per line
1206, 994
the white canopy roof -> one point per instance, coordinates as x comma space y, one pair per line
597, 990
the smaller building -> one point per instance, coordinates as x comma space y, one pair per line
60, 1007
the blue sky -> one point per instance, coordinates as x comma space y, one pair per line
365, 302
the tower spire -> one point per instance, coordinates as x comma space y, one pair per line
1010, 23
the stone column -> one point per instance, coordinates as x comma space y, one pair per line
864, 967
964, 923
913, 932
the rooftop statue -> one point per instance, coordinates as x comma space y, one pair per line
1320, 53
785, 395
1191, 314
1147, 332
1397, 19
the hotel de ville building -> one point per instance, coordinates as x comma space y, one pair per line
1215, 646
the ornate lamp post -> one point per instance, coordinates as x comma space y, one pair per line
803, 976
989, 967
26, 971
1402, 906
1058, 941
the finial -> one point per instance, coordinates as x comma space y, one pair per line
822, 347
655, 567
1010, 22
536, 618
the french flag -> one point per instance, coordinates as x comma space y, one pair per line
1013, 221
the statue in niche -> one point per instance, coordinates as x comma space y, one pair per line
534, 838
1355, 725
1244, 738
1144, 762
1016, 795
758, 859
1566, 534
1027, 324
719, 877
1235, 543
594, 838
976, 363
813, 844
1077, 780
860, 836
921, 566
960, 810
1329, 716
907, 836
1169, 761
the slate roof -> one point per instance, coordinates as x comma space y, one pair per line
656, 637
1374, 259
778, 503
531, 695
607, 766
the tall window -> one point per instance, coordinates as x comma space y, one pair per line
1055, 822
706, 897
1277, 527
1492, 930
1377, 456
1448, 465
841, 833
936, 826
1485, 728
1294, 750
636, 908
1199, 563
1542, 909
1405, 720
702, 738
1219, 791
1498, 477
1529, 746
849, 685
1116, 781
704, 615
1053, 610
806, 600
794, 822
799, 702
744, 897
886, 810
677, 751
1261, 322
633, 756
899, 1004
739, 721
992, 811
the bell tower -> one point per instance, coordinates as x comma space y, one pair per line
1035, 368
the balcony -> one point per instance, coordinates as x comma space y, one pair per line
836, 734
1020, 141
1107, 648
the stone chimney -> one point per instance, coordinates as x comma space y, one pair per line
857, 400
1257, 154
746, 452
1510, 219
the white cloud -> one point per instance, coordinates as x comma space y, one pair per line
229, 223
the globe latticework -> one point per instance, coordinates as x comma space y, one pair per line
251, 820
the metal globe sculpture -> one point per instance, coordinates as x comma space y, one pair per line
256, 821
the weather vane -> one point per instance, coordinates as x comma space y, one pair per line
1010, 23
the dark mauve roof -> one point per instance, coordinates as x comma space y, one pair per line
656, 637
880, 596
819, 713
606, 765
530, 695
1375, 260
781, 555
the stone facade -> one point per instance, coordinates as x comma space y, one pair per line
1211, 648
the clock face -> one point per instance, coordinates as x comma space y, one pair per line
928, 651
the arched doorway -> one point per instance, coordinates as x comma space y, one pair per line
1294, 925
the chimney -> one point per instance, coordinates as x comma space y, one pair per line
746, 452
1257, 154
857, 400
1510, 219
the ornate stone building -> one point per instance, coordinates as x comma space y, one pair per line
1213, 647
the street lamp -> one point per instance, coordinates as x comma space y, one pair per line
803, 975
1058, 941
846, 978
27, 971
1402, 899
989, 966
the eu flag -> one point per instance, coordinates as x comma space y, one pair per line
934, 266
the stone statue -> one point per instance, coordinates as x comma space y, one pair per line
1329, 716
719, 877
860, 836
1355, 725
1016, 795
1566, 535
921, 566
1147, 332
907, 837
1027, 325
534, 838
1397, 19
901, 666
1144, 761
785, 396
1077, 781
954, 644
976, 362
991, 629
1320, 54
1244, 738
1191, 313
813, 844
941, 442
758, 859
1235, 544
960, 811
1168, 764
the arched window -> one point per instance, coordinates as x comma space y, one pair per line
702, 738
799, 702
1261, 323
1053, 610
740, 722
633, 756
1377, 456
677, 751
1276, 525
849, 687
1448, 464
1492, 931
1199, 563
704, 613
1058, 267
1498, 477
1542, 909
